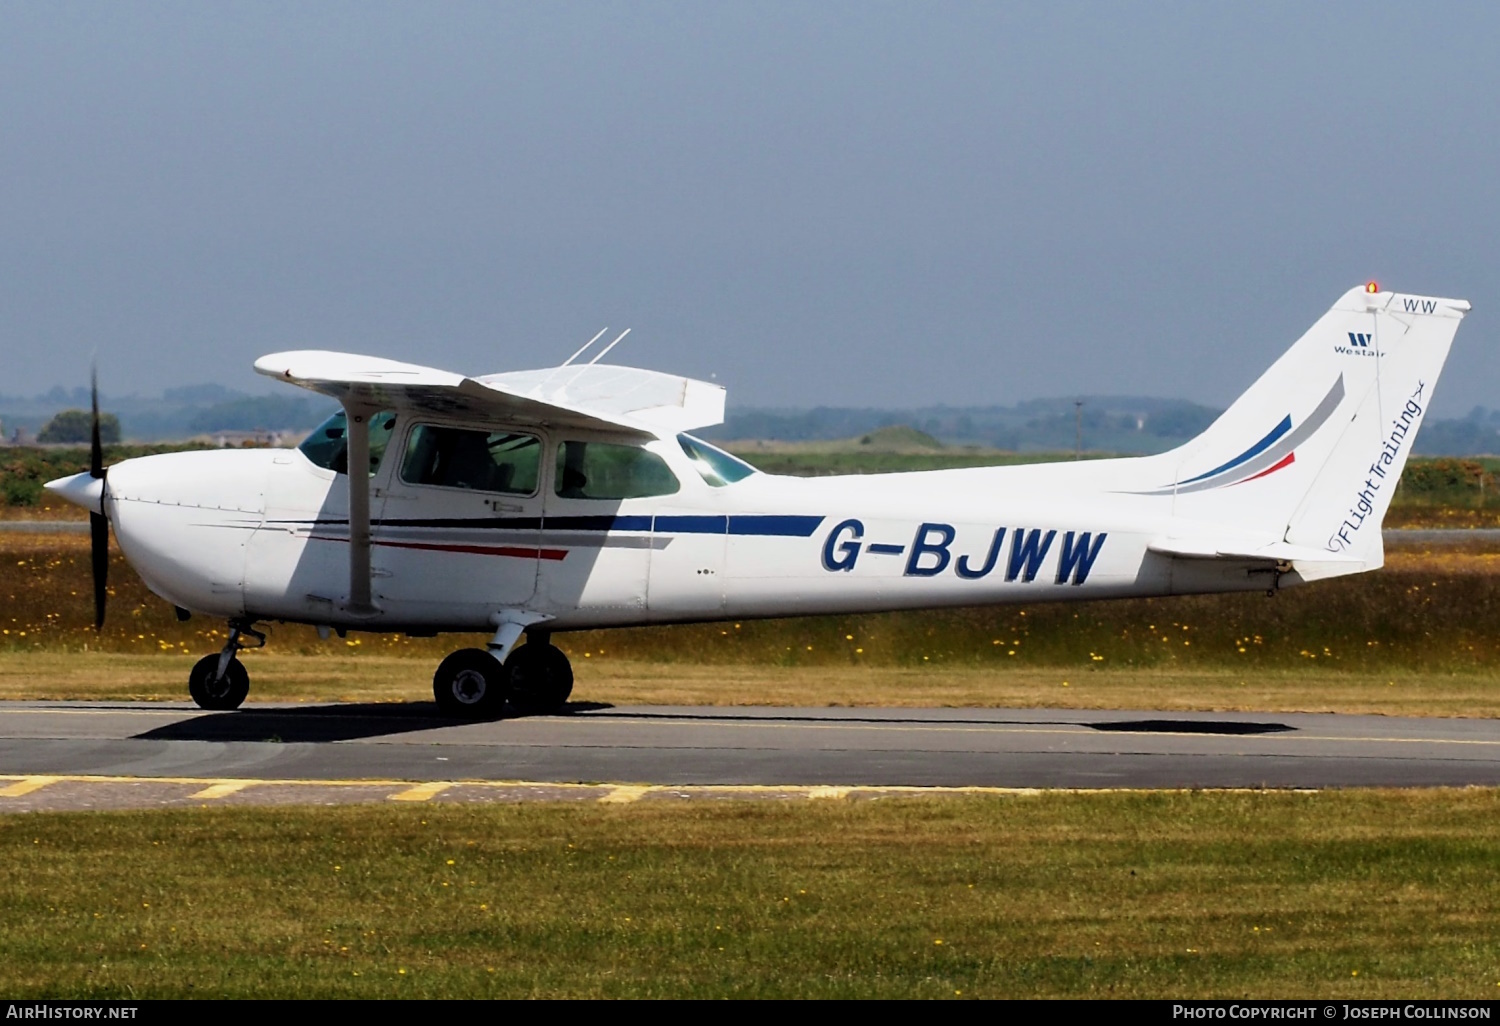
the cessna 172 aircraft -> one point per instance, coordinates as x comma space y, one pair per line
573, 497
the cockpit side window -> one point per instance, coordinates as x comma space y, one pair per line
328, 445
715, 466
484, 461
602, 470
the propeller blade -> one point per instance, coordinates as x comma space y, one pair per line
99, 553
98, 522
96, 449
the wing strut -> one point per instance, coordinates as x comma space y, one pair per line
358, 417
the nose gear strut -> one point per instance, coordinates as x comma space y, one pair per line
232, 647
219, 682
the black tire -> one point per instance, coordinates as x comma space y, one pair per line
211, 692
540, 678
470, 683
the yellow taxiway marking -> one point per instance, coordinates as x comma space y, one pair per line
221, 789
828, 792
26, 786
618, 793
422, 792
624, 794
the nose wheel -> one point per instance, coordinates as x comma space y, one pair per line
219, 682
218, 691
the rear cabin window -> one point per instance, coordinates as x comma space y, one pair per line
600, 470
328, 445
483, 461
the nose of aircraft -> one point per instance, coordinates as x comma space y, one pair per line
81, 490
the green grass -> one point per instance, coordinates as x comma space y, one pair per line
1429, 612
1421, 637
1335, 895
109, 676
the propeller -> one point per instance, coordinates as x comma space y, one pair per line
98, 522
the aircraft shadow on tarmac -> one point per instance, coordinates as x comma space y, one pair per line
1162, 726
354, 721
1191, 727
321, 723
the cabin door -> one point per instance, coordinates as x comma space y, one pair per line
459, 523
597, 537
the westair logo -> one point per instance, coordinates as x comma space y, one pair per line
1361, 343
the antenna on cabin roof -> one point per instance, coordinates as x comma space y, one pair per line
586, 345
608, 347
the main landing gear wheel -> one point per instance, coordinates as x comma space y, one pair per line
212, 691
470, 683
541, 678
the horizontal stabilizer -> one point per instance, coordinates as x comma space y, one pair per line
1272, 552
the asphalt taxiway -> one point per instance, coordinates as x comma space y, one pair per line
49, 750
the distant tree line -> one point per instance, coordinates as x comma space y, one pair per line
77, 427
1112, 424
179, 414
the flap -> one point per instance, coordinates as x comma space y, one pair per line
666, 401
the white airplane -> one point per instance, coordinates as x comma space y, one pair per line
572, 498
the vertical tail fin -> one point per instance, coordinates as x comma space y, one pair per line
1312, 452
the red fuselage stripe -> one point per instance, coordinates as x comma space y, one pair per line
1290, 458
517, 551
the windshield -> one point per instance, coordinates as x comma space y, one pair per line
328, 445
715, 466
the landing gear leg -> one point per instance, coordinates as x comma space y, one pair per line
540, 676
219, 682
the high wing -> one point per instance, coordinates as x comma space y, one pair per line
600, 396
622, 400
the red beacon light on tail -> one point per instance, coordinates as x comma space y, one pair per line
1372, 287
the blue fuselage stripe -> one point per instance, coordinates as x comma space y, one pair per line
775, 526
762, 525
692, 524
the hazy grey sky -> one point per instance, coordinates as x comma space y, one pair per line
843, 204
